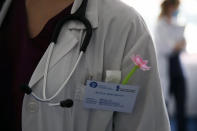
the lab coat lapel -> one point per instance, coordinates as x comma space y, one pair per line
66, 42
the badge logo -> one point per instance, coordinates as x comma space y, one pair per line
93, 84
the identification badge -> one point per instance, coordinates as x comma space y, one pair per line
110, 96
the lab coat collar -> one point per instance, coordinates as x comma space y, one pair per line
91, 14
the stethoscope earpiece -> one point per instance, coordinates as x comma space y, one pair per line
26, 89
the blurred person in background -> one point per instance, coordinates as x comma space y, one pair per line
170, 42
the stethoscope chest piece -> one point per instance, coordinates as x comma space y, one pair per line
66, 103
26, 89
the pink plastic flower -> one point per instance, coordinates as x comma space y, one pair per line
142, 64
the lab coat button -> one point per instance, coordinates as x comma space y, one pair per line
32, 107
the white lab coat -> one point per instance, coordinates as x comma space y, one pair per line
118, 33
166, 36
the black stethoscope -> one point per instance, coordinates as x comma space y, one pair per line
79, 15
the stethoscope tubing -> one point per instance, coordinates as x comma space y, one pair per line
44, 99
74, 17
79, 15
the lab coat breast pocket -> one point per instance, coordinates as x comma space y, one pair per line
94, 119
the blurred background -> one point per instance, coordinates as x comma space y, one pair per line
150, 9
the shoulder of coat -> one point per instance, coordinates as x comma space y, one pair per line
116, 9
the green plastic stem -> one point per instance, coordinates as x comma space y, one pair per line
126, 79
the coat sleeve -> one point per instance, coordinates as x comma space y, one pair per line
149, 113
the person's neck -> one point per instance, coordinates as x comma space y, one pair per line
39, 12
